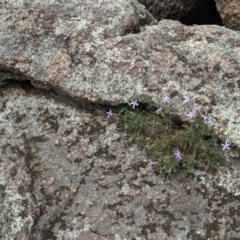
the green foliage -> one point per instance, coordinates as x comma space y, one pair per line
163, 133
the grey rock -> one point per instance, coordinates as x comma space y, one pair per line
73, 50
68, 173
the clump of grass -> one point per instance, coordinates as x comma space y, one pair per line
175, 145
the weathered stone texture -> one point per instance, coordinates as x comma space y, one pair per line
68, 173
165, 9
230, 13
55, 48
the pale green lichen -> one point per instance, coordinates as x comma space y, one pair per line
11, 212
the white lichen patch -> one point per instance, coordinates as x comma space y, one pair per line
13, 221
228, 122
111, 134
229, 180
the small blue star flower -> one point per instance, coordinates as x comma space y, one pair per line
166, 99
109, 113
134, 103
186, 99
150, 164
191, 114
178, 155
206, 119
226, 145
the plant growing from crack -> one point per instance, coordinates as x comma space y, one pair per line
174, 144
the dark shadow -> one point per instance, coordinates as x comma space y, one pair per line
204, 13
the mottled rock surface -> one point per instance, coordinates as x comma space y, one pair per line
230, 13
68, 173
165, 9
74, 49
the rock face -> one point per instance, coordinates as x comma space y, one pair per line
230, 13
73, 50
66, 171
166, 9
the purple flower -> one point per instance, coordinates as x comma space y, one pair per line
191, 114
150, 164
178, 155
109, 113
226, 145
166, 99
134, 103
153, 165
186, 99
206, 119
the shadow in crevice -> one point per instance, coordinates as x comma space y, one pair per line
59, 97
204, 13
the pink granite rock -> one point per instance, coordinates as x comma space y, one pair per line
75, 49
230, 13
66, 171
